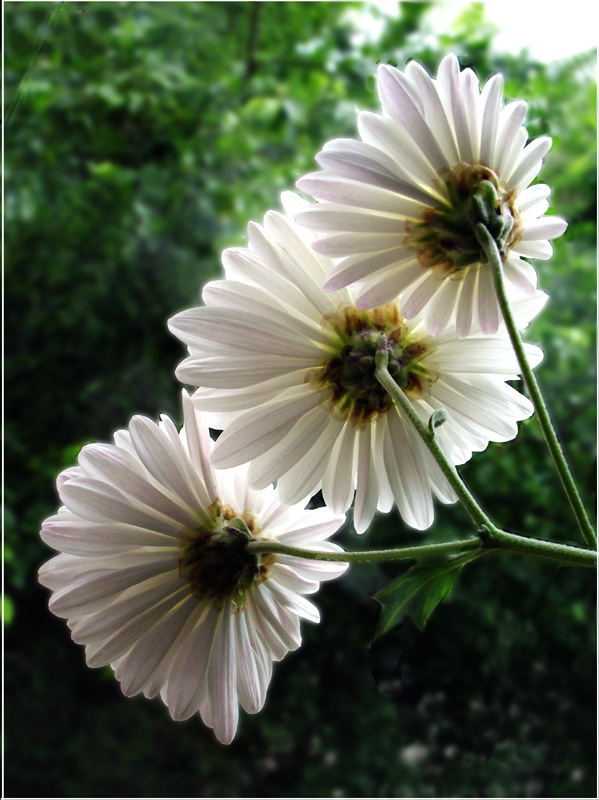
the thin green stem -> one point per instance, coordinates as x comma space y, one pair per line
398, 554
488, 542
494, 258
475, 512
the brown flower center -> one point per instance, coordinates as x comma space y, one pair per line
444, 238
348, 375
214, 558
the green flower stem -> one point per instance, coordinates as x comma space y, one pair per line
487, 543
398, 554
494, 258
488, 532
426, 432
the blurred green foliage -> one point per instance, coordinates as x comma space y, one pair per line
140, 139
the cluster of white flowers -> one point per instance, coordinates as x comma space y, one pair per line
154, 576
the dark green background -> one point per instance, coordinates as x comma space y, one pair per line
140, 139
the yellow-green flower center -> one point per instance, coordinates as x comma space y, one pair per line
444, 238
348, 375
214, 558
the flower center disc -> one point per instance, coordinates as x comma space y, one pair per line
348, 376
445, 238
215, 560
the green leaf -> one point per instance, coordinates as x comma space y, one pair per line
418, 592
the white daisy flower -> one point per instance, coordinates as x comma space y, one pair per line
154, 578
288, 372
400, 207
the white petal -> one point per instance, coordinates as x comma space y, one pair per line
187, 679
488, 307
221, 678
338, 481
366, 482
259, 429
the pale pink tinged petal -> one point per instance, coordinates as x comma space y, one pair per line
248, 679
491, 97
539, 249
105, 622
153, 648
510, 119
471, 101
262, 655
305, 268
434, 112
161, 460
100, 654
367, 164
272, 623
218, 373
199, 445
286, 576
294, 603
329, 217
358, 267
243, 299
187, 679
393, 140
339, 478
261, 428
386, 285
416, 298
440, 309
246, 266
303, 478
221, 678
317, 524
82, 538
545, 228
89, 594
533, 151
385, 499
465, 311
359, 195
233, 400
449, 78
99, 502
520, 274
228, 328
349, 244
367, 492
158, 683
407, 473
66, 475
533, 195
117, 468
398, 102
488, 307
280, 458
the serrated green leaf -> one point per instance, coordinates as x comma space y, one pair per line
417, 593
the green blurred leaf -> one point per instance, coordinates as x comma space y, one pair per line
8, 610
417, 593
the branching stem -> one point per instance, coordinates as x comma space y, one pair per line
494, 258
